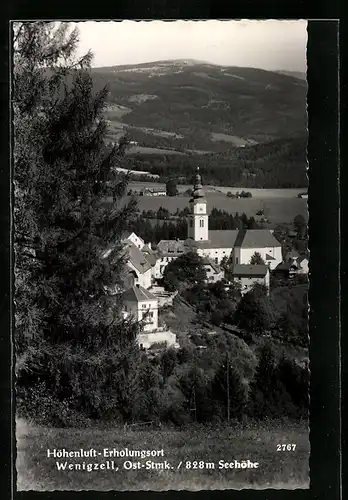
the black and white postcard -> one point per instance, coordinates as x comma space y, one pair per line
161, 258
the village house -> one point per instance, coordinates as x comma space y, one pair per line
298, 264
247, 275
138, 265
293, 265
142, 305
213, 270
136, 240
153, 192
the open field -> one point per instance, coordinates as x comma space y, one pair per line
256, 193
277, 210
257, 443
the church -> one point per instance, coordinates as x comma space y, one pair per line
215, 245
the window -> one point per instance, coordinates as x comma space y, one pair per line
201, 223
216, 260
191, 223
236, 260
144, 306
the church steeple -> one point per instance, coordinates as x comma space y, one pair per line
198, 191
198, 218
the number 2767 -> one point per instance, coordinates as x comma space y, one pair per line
286, 447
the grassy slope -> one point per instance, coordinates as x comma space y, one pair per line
257, 443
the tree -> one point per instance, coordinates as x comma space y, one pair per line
251, 314
300, 225
185, 271
171, 188
70, 334
230, 390
257, 259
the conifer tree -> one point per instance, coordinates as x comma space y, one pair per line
71, 340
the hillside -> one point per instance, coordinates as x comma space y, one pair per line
193, 105
177, 112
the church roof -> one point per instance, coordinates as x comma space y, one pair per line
256, 238
245, 270
137, 293
149, 254
217, 239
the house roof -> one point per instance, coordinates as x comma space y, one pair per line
127, 235
149, 256
256, 238
138, 259
283, 266
171, 247
244, 270
137, 293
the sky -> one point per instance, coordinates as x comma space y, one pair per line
270, 44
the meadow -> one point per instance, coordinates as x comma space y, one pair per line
256, 192
256, 442
277, 210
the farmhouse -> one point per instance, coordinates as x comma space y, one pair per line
153, 192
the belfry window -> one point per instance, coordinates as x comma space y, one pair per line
201, 223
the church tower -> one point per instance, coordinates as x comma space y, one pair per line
197, 221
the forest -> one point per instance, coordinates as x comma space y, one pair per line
277, 164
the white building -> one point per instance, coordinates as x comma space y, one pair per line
135, 239
142, 305
298, 264
248, 275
